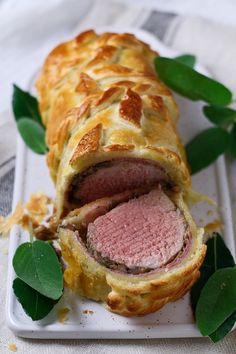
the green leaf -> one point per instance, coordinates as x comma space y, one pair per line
218, 256
187, 59
25, 105
36, 306
190, 83
217, 301
38, 266
220, 115
224, 329
33, 135
206, 147
232, 142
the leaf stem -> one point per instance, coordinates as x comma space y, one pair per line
31, 232
215, 253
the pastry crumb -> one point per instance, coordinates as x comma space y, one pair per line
37, 206
88, 312
5, 251
12, 347
7, 223
210, 212
213, 226
62, 315
27, 216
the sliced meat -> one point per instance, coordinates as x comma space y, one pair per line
116, 176
142, 234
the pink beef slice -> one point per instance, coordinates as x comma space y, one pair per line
120, 175
145, 232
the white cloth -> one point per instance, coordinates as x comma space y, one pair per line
28, 30
220, 11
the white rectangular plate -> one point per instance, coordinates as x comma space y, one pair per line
175, 319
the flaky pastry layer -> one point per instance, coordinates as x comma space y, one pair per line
101, 99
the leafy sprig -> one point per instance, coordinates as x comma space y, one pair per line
190, 83
206, 147
35, 305
39, 282
213, 297
187, 59
28, 120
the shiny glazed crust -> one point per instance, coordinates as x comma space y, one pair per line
125, 294
100, 99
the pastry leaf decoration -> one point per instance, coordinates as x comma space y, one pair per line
179, 75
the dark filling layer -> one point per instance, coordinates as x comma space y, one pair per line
112, 177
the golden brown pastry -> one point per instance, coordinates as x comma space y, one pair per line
120, 172
101, 100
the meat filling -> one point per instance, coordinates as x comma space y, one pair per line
140, 235
112, 177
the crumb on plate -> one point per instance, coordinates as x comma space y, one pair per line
12, 347
37, 206
213, 226
7, 223
210, 212
62, 314
28, 216
88, 312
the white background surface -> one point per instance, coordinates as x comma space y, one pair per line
220, 11
28, 30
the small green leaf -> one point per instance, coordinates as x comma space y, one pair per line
206, 147
224, 329
218, 256
232, 142
190, 83
217, 301
220, 115
38, 266
36, 306
25, 105
33, 135
187, 59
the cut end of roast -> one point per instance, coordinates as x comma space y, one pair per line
140, 235
109, 178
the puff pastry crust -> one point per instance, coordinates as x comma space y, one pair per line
101, 99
